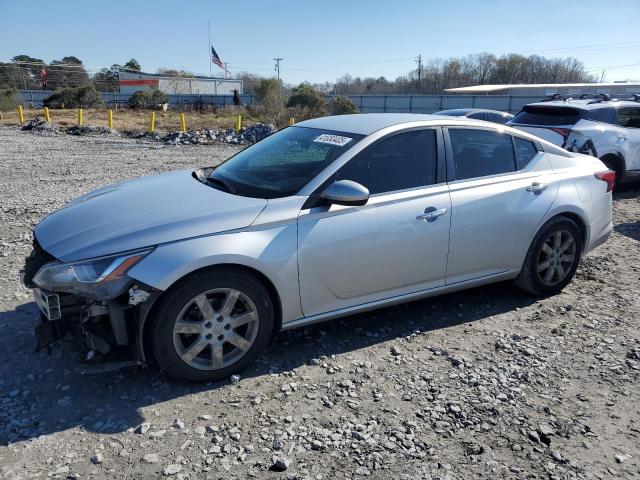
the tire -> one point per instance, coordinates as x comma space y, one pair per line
195, 343
538, 282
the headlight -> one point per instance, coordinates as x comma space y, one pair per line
99, 278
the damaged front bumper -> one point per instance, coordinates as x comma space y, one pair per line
111, 331
110, 328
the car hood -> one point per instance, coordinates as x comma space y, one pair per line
140, 213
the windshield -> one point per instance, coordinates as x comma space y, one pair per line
546, 115
283, 163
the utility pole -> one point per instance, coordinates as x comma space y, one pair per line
277, 60
419, 62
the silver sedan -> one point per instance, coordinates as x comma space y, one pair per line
337, 215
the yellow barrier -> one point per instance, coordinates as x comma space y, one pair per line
183, 124
47, 117
79, 117
238, 123
20, 115
292, 121
152, 122
110, 118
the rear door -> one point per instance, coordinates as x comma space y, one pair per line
501, 187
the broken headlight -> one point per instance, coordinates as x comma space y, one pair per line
101, 278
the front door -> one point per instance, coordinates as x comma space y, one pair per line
350, 256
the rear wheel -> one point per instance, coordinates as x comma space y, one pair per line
211, 326
552, 259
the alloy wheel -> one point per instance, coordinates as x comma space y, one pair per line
556, 258
215, 329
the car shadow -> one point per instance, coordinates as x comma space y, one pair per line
42, 394
627, 190
629, 229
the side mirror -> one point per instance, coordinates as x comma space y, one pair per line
346, 192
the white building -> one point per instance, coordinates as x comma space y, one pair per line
131, 82
546, 89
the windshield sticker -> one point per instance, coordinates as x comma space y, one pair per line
333, 140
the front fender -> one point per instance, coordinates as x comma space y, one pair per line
270, 251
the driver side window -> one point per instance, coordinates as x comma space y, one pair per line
397, 162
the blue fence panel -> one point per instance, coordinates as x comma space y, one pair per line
365, 103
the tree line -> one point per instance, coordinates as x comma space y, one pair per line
26, 72
437, 74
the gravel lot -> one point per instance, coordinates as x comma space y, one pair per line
488, 383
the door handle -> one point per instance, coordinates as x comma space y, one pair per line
537, 188
431, 213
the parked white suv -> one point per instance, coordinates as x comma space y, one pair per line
596, 125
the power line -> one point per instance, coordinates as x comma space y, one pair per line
594, 46
613, 66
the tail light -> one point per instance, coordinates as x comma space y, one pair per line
562, 131
608, 176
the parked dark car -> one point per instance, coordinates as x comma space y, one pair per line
494, 116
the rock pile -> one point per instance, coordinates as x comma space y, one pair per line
91, 130
40, 127
246, 135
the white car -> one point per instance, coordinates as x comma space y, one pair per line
323, 219
595, 125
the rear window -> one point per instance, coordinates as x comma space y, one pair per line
541, 115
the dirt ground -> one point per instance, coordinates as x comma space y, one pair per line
487, 383
125, 119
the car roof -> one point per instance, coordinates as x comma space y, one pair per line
586, 104
367, 123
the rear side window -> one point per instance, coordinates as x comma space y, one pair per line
478, 153
477, 116
498, 117
606, 115
402, 161
541, 115
525, 151
629, 117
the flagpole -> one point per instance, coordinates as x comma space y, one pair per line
209, 47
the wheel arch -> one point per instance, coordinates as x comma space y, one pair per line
579, 221
575, 217
147, 314
617, 160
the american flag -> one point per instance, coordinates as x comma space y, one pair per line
216, 59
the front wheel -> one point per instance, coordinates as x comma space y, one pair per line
552, 259
212, 325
